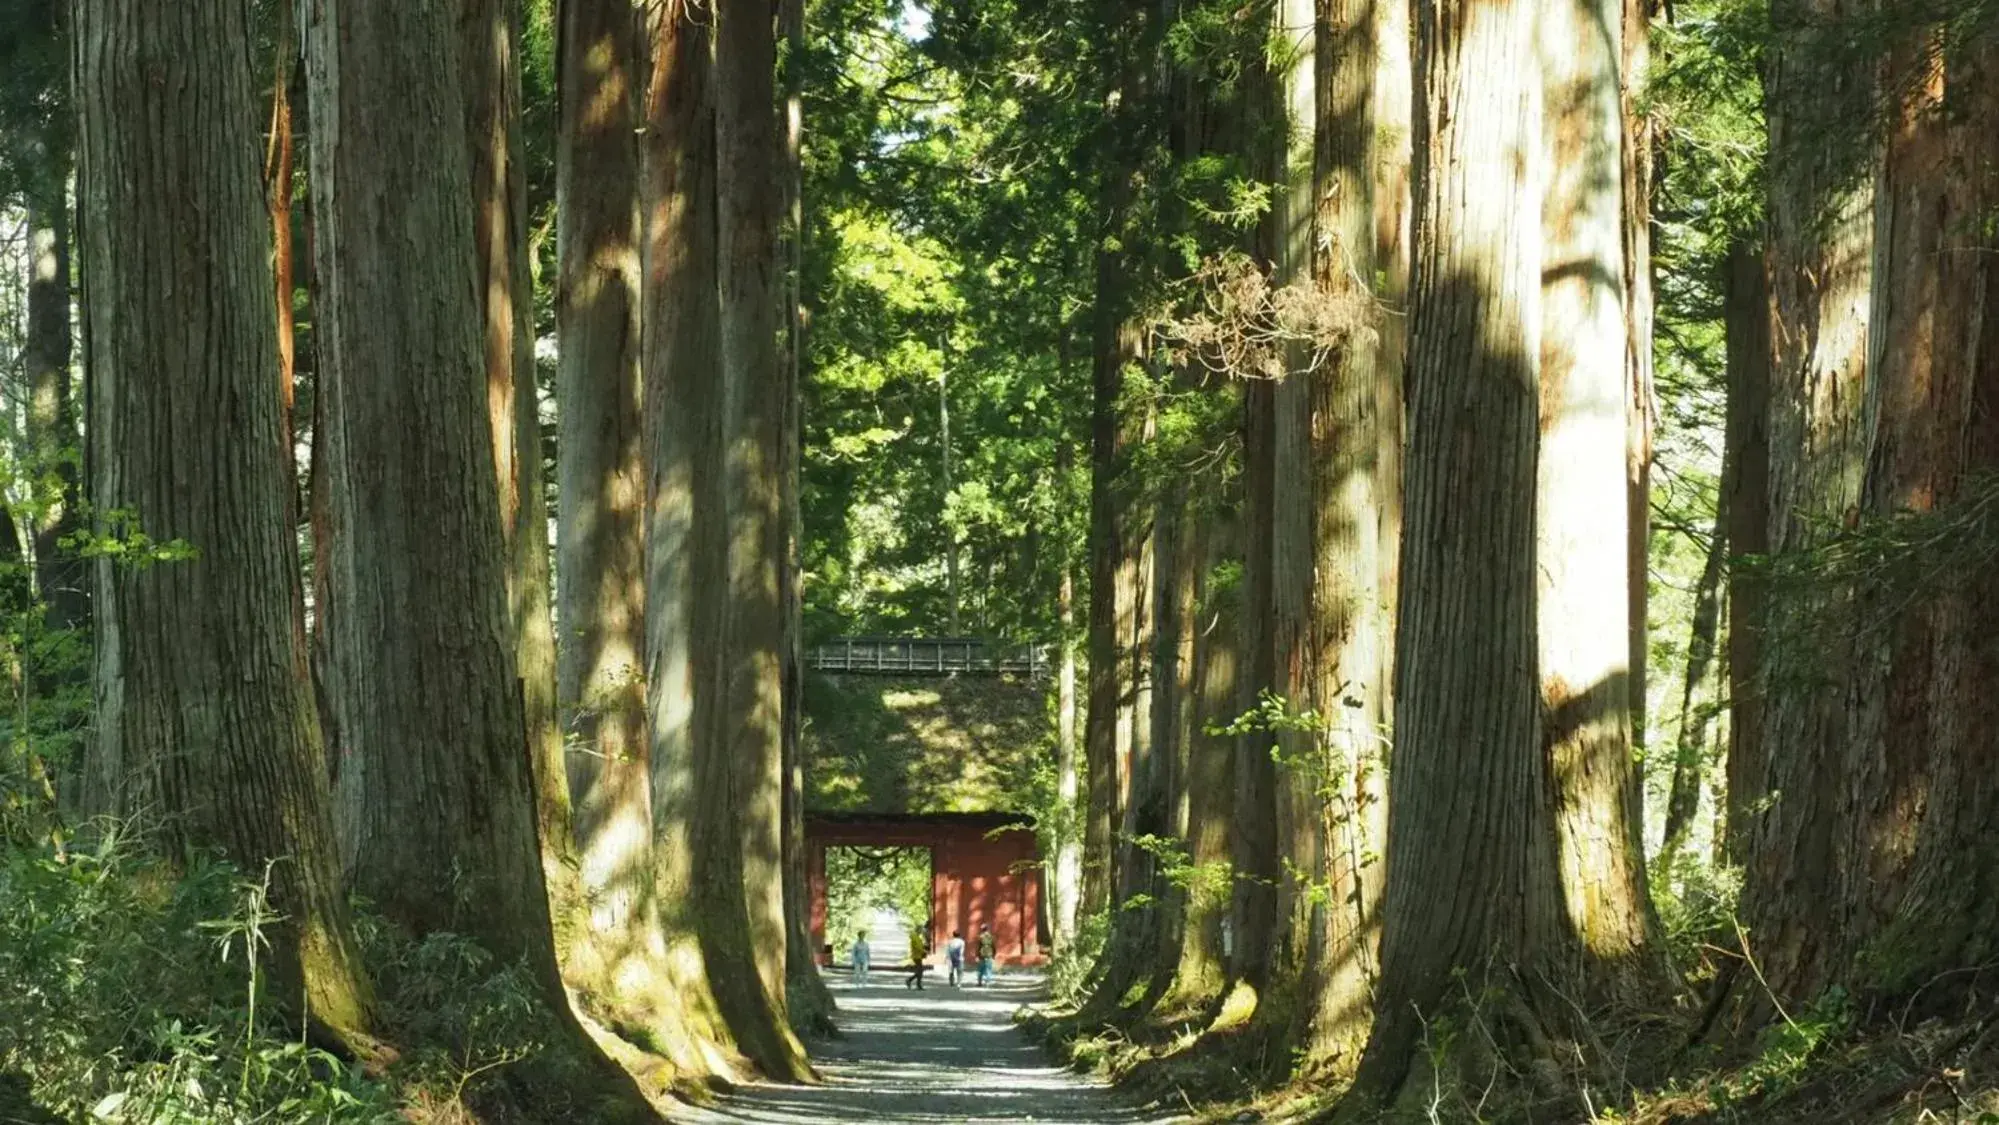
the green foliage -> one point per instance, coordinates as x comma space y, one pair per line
1696, 900
861, 881
1787, 1048
925, 744
1172, 862
34, 96
134, 989
126, 995
1072, 969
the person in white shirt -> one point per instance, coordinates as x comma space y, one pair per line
861, 958
954, 952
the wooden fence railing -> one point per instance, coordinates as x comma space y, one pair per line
942, 656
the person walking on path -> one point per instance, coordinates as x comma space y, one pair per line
919, 948
988, 945
954, 953
861, 959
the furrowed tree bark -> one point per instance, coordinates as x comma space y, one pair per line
1820, 278
489, 33
600, 498
1921, 890
436, 786
1902, 822
436, 799
1349, 651
1116, 343
622, 965
743, 921
1296, 587
680, 361
1390, 162
1583, 506
1633, 21
1135, 969
1180, 534
1201, 974
205, 713
809, 1000
1746, 477
1466, 805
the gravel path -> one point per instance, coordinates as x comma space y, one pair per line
942, 1054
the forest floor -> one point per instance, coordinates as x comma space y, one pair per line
942, 1054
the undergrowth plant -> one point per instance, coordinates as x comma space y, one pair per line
130, 992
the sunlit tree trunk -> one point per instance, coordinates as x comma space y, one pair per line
1390, 161
1583, 506
1350, 621
1297, 589
489, 32
1470, 857
600, 499
1065, 884
680, 363
622, 962
1920, 891
1209, 761
743, 925
1632, 20
205, 713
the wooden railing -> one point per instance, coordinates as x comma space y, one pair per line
927, 656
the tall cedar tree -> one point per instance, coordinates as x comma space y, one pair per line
490, 82
600, 470
681, 436
625, 960
809, 1000
205, 710
1588, 683
1295, 584
1870, 859
1351, 624
1820, 279
741, 850
434, 772
1467, 807
1117, 342
1208, 791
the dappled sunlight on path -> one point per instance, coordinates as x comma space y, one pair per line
939, 1055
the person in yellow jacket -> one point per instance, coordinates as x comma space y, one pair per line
919, 948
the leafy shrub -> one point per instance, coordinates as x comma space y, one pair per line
131, 991
128, 994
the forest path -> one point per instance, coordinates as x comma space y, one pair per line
942, 1054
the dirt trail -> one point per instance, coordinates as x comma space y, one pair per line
939, 1055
